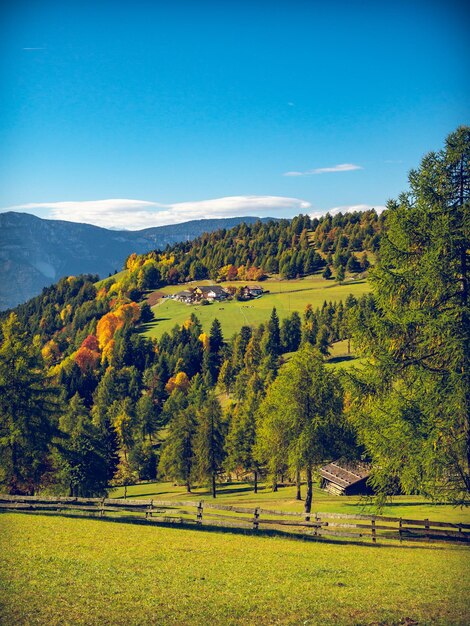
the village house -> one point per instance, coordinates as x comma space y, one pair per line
345, 478
187, 296
211, 293
247, 292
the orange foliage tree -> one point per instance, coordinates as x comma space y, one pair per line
87, 359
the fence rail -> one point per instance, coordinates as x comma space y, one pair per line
315, 524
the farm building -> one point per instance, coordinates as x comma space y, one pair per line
187, 296
345, 478
251, 292
212, 292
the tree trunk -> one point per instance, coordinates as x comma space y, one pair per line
255, 478
213, 486
298, 495
125, 492
309, 494
188, 486
275, 483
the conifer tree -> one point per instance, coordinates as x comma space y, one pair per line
29, 409
209, 442
411, 403
301, 419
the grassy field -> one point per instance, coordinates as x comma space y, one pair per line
59, 570
241, 493
286, 295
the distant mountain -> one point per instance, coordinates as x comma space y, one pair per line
35, 253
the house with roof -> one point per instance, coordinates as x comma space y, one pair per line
187, 296
345, 478
247, 292
211, 293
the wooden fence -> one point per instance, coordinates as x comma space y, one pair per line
353, 526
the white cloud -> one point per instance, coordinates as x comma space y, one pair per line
348, 208
342, 167
136, 214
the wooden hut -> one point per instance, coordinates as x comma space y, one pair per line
345, 478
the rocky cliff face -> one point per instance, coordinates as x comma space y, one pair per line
35, 253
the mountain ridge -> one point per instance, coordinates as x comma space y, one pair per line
36, 252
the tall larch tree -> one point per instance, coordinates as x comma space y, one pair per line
411, 402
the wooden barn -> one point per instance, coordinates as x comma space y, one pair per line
345, 478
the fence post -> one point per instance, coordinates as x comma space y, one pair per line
316, 532
374, 538
148, 512
426, 528
102, 507
199, 513
400, 526
256, 519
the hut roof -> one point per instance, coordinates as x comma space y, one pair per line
345, 473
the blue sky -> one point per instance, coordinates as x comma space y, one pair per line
134, 114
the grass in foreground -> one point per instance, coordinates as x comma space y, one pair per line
59, 570
286, 295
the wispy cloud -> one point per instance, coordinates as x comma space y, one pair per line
348, 208
136, 214
33, 48
342, 167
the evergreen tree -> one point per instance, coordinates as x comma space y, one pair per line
301, 417
327, 273
291, 332
412, 400
83, 454
272, 341
177, 457
29, 408
340, 274
241, 437
209, 442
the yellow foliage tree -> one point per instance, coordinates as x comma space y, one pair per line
180, 382
204, 339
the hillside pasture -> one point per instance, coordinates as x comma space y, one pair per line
62, 570
286, 295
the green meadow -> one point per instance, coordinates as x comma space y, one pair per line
286, 295
62, 570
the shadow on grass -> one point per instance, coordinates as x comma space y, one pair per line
207, 527
222, 490
341, 359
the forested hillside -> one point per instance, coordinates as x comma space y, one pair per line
99, 402
35, 253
